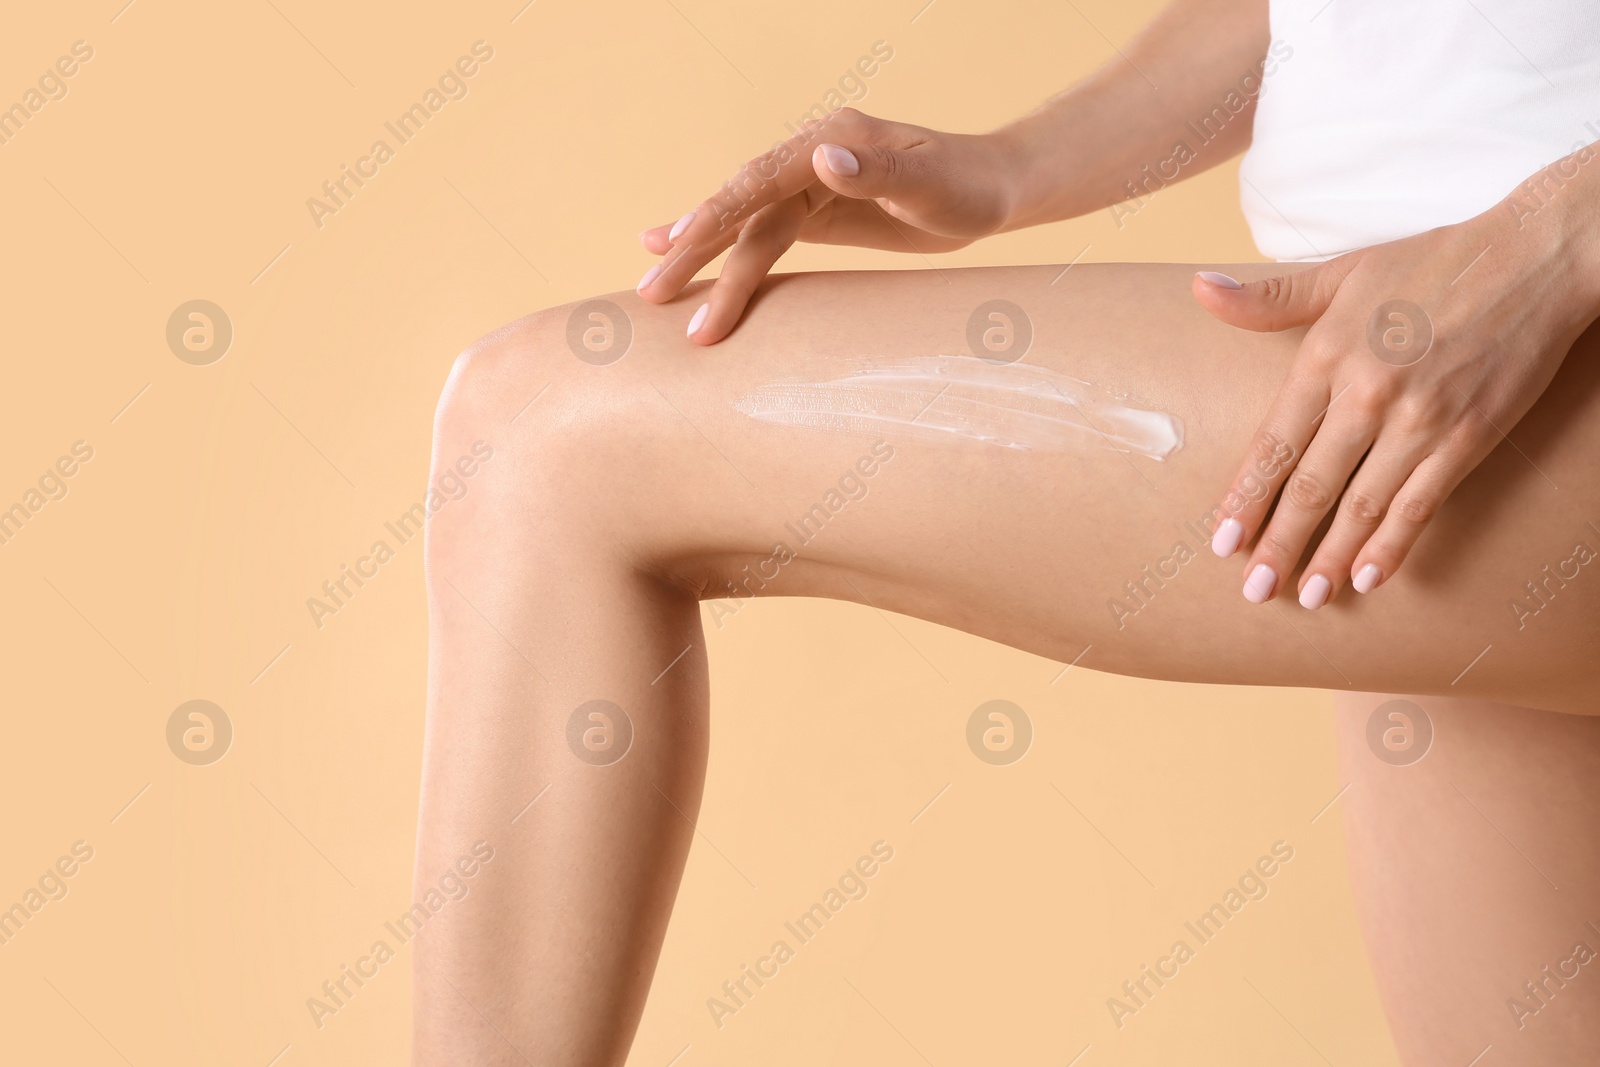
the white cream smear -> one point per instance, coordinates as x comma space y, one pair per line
1014, 405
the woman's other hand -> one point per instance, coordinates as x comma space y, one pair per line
1421, 356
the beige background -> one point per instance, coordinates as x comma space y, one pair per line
220, 497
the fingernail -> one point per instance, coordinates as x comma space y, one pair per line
1259, 585
1217, 278
1225, 542
841, 160
1315, 593
699, 318
649, 276
1367, 578
679, 226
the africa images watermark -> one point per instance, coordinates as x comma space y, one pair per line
1205, 129
1139, 592
999, 732
1541, 190
1542, 989
850, 488
453, 84
851, 88
50, 87
1538, 592
51, 486
337, 592
852, 885
452, 886
51, 886
1251, 886
754, 176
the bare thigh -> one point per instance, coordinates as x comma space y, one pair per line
1080, 553
595, 500
1476, 871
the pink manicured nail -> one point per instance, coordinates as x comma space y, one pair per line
1219, 279
1367, 578
699, 318
649, 276
1315, 593
679, 226
1259, 585
841, 160
1225, 542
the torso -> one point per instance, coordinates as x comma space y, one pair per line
1392, 117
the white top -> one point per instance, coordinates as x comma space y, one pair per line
1379, 119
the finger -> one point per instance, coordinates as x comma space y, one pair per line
1307, 495
686, 258
898, 184
1407, 516
864, 224
941, 184
1271, 304
765, 237
894, 164
1385, 469
783, 171
655, 239
871, 157
678, 267
1279, 442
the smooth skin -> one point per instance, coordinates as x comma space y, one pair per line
1483, 342
1474, 870
620, 496
1388, 415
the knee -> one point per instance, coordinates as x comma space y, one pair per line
548, 369
545, 435
496, 417
480, 394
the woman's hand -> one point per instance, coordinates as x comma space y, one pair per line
850, 179
1422, 354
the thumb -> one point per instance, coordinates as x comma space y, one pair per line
1271, 304
866, 171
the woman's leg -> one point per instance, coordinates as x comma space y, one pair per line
620, 494
1476, 869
